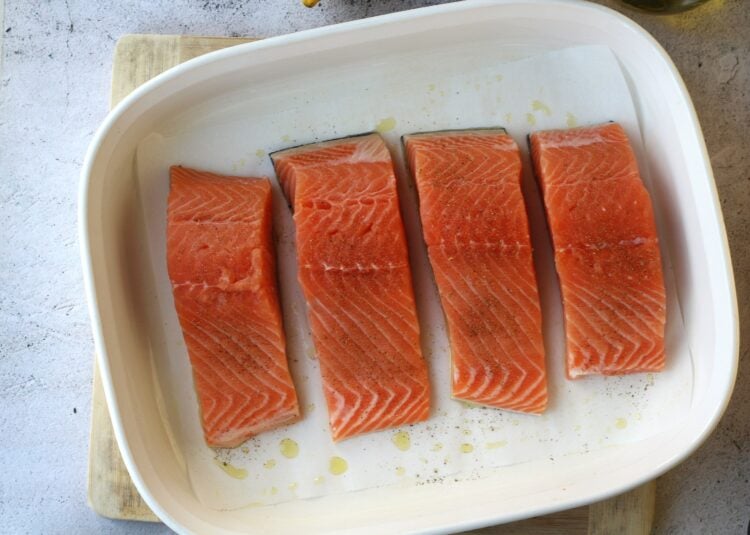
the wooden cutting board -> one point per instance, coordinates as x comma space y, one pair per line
111, 492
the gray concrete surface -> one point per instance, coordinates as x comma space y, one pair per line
54, 80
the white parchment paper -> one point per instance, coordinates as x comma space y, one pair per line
462, 88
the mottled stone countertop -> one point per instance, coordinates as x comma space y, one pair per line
54, 89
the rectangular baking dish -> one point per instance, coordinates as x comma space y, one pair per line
680, 174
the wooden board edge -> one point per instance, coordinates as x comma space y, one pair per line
156, 54
631, 513
110, 491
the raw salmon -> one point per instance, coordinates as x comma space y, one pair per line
606, 250
354, 272
477, 234
221, 262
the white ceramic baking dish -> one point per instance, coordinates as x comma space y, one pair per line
680, 174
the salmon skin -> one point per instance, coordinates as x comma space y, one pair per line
606, 250
354, 273
220, 258
477, 235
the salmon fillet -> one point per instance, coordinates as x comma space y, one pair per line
477, 234
354, 273
606, 250
221, 263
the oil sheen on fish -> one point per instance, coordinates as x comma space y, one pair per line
606, 250
354, 272
476, 230
220, 257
